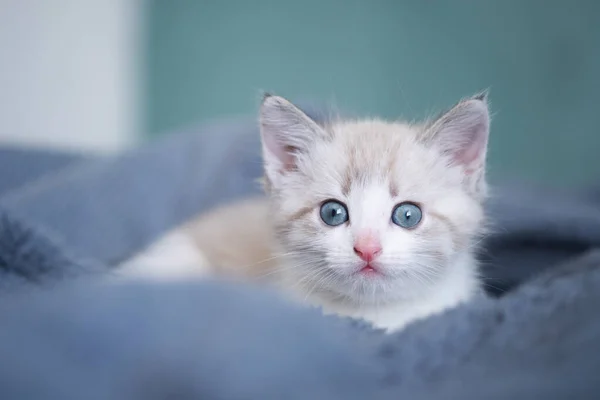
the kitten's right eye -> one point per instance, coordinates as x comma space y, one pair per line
334, 213
407, 215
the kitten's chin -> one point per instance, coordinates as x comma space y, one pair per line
350, 287
385, 284
391, 303
359, 287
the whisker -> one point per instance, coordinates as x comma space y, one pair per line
275, 257
316, 283
493, 286
288, 267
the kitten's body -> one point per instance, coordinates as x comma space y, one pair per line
368, 168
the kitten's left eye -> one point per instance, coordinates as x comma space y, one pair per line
407, 215
334, 213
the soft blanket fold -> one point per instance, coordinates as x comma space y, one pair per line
220, 341
28, 255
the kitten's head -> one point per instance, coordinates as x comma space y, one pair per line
372, 211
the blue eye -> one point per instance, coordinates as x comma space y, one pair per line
334, 213
406, 215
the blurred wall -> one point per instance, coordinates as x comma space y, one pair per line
541, 59
69, 73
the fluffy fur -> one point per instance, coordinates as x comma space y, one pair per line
370, 166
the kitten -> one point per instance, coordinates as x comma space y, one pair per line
368, 219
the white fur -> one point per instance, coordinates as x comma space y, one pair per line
457, 287
175, 256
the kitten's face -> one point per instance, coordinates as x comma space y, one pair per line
371, 212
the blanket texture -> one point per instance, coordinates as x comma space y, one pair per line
216, 341
28, 256
86, 338
19, 165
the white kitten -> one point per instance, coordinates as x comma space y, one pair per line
368, 219
377, 219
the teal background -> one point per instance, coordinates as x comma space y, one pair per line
540, 60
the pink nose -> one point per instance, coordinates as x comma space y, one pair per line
367, 248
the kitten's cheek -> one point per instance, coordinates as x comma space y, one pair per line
443, 253
448, 248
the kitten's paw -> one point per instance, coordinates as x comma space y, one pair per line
173, 257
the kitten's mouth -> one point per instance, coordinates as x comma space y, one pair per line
369, 270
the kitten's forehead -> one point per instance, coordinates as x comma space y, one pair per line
371, 146
365, 153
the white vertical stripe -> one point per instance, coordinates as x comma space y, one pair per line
69, 73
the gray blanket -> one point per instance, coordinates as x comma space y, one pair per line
77, 338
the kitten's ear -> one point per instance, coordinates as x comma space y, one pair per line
462, 134
286, 133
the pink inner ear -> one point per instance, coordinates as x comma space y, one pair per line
473, 148
284, 154
289, 157
462, 134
